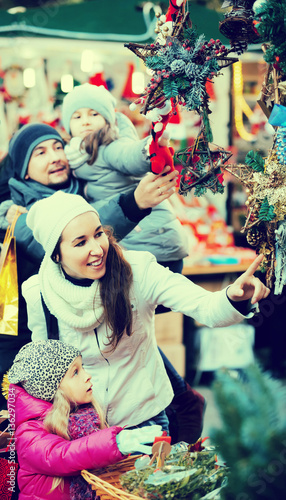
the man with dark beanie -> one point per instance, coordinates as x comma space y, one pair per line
39, 168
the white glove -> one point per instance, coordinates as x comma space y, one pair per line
76, 155
133, 441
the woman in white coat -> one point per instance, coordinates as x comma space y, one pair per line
104, 301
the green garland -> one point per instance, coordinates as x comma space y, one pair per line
255, 161
189, 475
270, 17
185, 64
266, 212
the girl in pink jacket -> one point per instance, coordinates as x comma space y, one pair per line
60, 429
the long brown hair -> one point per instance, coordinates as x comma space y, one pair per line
104, 136
114, 289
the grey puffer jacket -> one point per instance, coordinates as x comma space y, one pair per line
117, 168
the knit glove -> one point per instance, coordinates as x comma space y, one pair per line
76, 155
133, 441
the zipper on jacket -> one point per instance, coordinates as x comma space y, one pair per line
107, 361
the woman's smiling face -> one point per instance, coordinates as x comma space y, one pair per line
84, 247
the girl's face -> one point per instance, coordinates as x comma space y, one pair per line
76, 383
84, 247
84, 121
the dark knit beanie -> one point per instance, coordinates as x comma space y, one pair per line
24, 142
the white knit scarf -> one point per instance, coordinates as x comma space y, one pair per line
79, 307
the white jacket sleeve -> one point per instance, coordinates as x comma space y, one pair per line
160, 286
36, 316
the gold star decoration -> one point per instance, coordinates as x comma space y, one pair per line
266, 205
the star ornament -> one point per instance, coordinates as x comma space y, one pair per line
264, 180
181, 64
202, 168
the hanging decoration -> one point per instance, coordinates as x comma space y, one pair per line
202, 167
264, 179
160, 156
182, 64
238, 24
265, 184
181, 61
270, 22
12, 83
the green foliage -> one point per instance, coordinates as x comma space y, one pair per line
170, 88
207, 127
188, 475
271, 17
154, 62
255, 160
187, 63
266, 212
252, 440
191, 35
201, 189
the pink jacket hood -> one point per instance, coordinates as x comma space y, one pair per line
26, 407
41, 454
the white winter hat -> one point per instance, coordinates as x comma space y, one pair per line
48, 217
88, 96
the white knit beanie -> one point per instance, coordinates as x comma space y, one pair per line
48, 217
88, 96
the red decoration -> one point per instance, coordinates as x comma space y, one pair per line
98, 79
127, 92
210, 90
198, 445
175, 117
174, 6
160, 156
8, 471
163, 438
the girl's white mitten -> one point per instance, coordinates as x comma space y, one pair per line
76, 155
133, 441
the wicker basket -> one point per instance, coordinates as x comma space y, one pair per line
106, 481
